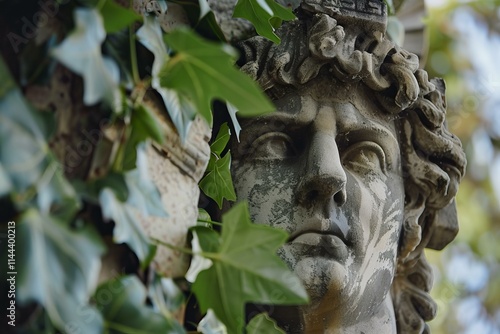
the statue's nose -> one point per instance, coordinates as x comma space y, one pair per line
324, 175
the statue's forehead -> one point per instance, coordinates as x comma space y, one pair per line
352, 108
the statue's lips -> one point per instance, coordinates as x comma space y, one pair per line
320, 244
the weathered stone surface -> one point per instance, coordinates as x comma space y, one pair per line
356, 164
176, 170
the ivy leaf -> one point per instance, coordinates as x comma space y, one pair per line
143, 193
81, 52
211, 325
117, 17
204, 217
165, 295
27, 163
232, 113
55, 194
221, 140
262, 323
180, 110
144, 125
202, 71
208, 238
144, 199
265, 15
198, 262
58, 268
218, 183
246, 269
122, 303
127, 227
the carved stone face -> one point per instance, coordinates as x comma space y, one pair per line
326, 168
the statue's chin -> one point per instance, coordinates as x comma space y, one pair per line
323, 278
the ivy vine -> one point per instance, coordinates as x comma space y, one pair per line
63, 218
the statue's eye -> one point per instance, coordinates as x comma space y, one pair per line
273, 145
364, 157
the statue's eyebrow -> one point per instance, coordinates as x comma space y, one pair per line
279, 118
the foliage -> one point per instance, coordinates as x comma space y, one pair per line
237, 263
218, 184
263, 324
68, 218
265, 15
121, 302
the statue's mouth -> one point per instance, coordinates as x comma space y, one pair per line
317, 236
322, 244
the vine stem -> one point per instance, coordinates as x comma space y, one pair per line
209, 222
211, 256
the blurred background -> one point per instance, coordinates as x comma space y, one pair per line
462, 45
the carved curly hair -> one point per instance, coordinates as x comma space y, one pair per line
433, 159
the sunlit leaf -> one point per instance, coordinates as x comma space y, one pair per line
211, 325
144, 125
263, 14
122, 303
127, 227
81, 52
180, 110
218, 183
26, 160
232, 113
143, 199
58, 268
117, 17
246, 269
198, 262
203, 71
261, 323
221, 140
143, 193
165, 295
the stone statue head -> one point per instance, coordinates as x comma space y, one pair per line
356, 165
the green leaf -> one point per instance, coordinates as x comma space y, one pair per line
55, 194
89, 190
246, 269
122, 303
117, 17
81, 52
232, 113
262, 323
144, 198
221, 140
180, 110
265, 15
143, 194
127, 227
211, 325
59, 268
165, 295
203, 71
198, 262
203, 215
28, 164
144, 125
218, 183
209, 240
